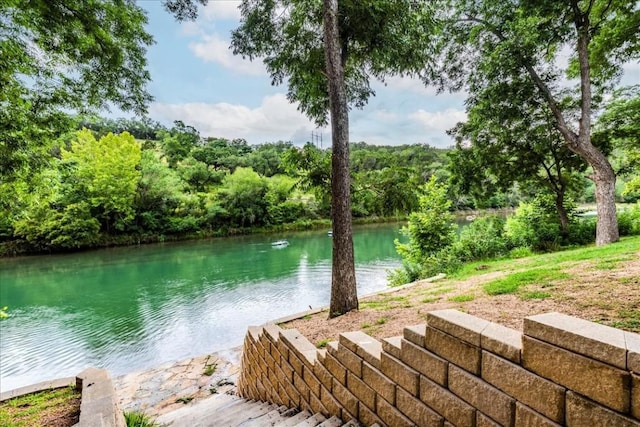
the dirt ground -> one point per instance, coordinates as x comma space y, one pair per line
608, 296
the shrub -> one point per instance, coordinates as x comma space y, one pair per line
431, 228
629, 221
534, 224
482, 239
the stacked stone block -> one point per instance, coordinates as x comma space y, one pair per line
455, 370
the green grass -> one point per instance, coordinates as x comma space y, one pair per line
30, 409
462, 298
429, 300
625, 249
322, 343
185, 399
210, 369
381, 321
138, 419
514, 281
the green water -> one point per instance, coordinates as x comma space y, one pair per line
127, 309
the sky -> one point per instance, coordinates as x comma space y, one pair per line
197, 79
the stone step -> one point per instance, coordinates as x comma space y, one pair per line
232, 411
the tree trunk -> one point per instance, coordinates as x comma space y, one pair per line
562, 213
344, 296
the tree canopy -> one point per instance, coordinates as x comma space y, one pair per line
65, 55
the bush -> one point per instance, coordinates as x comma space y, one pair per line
534, 224
629, 221
482, 239
582, 231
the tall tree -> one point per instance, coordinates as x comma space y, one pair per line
327, 53
488, 41
344, 296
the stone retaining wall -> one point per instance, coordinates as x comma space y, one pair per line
456, 370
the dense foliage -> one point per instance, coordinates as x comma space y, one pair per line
102, 188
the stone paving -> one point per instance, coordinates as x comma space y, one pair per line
170, 386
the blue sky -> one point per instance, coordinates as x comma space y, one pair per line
196, 79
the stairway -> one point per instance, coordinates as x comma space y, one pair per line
231, 411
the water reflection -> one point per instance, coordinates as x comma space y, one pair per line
131, 308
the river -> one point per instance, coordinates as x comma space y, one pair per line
128, 309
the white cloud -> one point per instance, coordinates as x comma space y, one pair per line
221, 10
213, 48
275, 119
439, 121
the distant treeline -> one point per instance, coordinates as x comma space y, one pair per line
127, 181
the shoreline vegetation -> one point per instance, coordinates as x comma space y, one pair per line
18, 248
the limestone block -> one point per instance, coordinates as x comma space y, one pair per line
380, 383
283, 350
353, 340
316, 405
593, 340
295, 363
337, 370
391, 416
540, 394
272, 332
311, 381
423, 361
301, 386
633, 351
300, 346
447, 404
484, 421
253, 332
350, 360
330, 402
417, 411
392, 346
400, 373
284, 373
481, 395
346, 399
584, 412
361, 391
596, 380
458, 324
363, 345
503, 341
366, 416
460, 352
323, 375
294, 395
527, 417
415, 334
